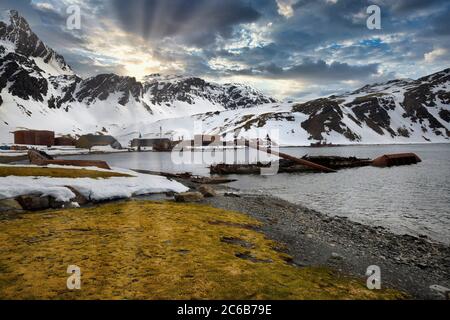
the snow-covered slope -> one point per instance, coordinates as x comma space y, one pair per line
399, 111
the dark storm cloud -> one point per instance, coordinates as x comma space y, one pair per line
195, 21
408, 6
319, 71
320, 43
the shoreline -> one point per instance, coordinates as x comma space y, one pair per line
408, 263
313, 239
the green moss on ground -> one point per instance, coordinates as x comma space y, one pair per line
19, 171
153, 250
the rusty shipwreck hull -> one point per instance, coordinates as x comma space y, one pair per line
331, 162
289, 166
337, 162
40, 158
398, 159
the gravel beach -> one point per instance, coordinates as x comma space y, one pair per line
407, 263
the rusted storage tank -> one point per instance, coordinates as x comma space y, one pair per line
64, 141
34, 137
398, 159
24, 137
44, 138
19, 137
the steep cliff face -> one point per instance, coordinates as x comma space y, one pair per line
25, 42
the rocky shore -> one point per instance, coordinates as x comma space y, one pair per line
417, 266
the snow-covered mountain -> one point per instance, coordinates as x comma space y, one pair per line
38, 90
399, 111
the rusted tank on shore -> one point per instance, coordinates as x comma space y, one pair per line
34, 137
398, 159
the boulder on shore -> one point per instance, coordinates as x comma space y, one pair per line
10, 205
207, 191
36, 202
188, 197
79, 198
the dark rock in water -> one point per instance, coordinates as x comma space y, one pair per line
188, 197
207, 191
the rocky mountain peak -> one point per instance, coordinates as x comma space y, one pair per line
27, 43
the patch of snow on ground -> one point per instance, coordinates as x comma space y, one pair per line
94, 189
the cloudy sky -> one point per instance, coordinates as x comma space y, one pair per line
291, 49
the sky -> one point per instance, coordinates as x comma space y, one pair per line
290, 49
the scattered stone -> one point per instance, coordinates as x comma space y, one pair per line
231, 195
422, 265
72, 205
10, 205
248, 256
237, 241
336, 255
441, 291
207, 191
34, 202
79, 198
188, 197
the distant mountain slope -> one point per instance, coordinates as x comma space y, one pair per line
399, 111
39, 90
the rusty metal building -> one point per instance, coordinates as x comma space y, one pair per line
34, 137
90, 140
65, 141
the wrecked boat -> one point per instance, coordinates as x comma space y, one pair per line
398, 159
330, 162
41, 158
290, 166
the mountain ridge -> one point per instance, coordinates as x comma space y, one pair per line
39, 90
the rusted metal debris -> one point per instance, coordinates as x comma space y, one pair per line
399, 159
303, 162
42, 159
313, 163
288, 166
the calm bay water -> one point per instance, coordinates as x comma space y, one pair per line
409, 199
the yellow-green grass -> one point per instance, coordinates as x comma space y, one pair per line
157, 250
21, 171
